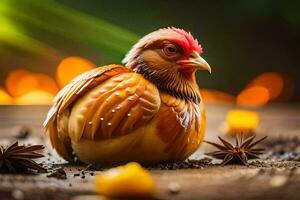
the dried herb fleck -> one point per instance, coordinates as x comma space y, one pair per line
24, 132
238, 154
20, 158
58, 173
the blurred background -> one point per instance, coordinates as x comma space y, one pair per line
252, 46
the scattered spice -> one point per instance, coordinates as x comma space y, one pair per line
58, 173
187, 164
82, 172
274, 164
20, 158
283, 148
238, 154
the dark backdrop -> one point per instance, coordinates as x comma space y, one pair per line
241, 39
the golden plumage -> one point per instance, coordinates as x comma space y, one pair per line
147, 111
111, 115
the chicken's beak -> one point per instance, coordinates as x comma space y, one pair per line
196, 61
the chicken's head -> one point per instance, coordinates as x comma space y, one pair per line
169, 58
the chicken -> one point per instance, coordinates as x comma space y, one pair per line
148, 111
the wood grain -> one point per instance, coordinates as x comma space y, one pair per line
212, 182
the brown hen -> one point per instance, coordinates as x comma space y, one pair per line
147, 111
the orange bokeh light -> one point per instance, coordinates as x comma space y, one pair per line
70, 67
46, 83
272, 81
26, 84
253, 96
35, 97
20, 82
5, 98
215, 96
12, 79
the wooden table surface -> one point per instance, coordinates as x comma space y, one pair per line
278, 180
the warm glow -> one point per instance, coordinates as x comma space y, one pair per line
35, 97
241, 121
71, 67
272, 81
24, 87
20, 82
26, 84
5, 98
253, 96
46, 83
12, 80
215, 96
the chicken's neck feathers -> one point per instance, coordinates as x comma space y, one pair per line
172, 83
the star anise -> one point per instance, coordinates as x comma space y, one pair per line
238, 154
20, 158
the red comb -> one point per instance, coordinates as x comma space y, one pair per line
191, 42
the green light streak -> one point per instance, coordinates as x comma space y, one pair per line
66, 22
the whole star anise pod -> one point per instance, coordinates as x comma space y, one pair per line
19, 158
238, 154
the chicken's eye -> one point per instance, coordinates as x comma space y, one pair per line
170, 49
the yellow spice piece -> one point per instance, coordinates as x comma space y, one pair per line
125, 181
241, 121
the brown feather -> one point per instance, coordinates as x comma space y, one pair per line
148, 112
98, 108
